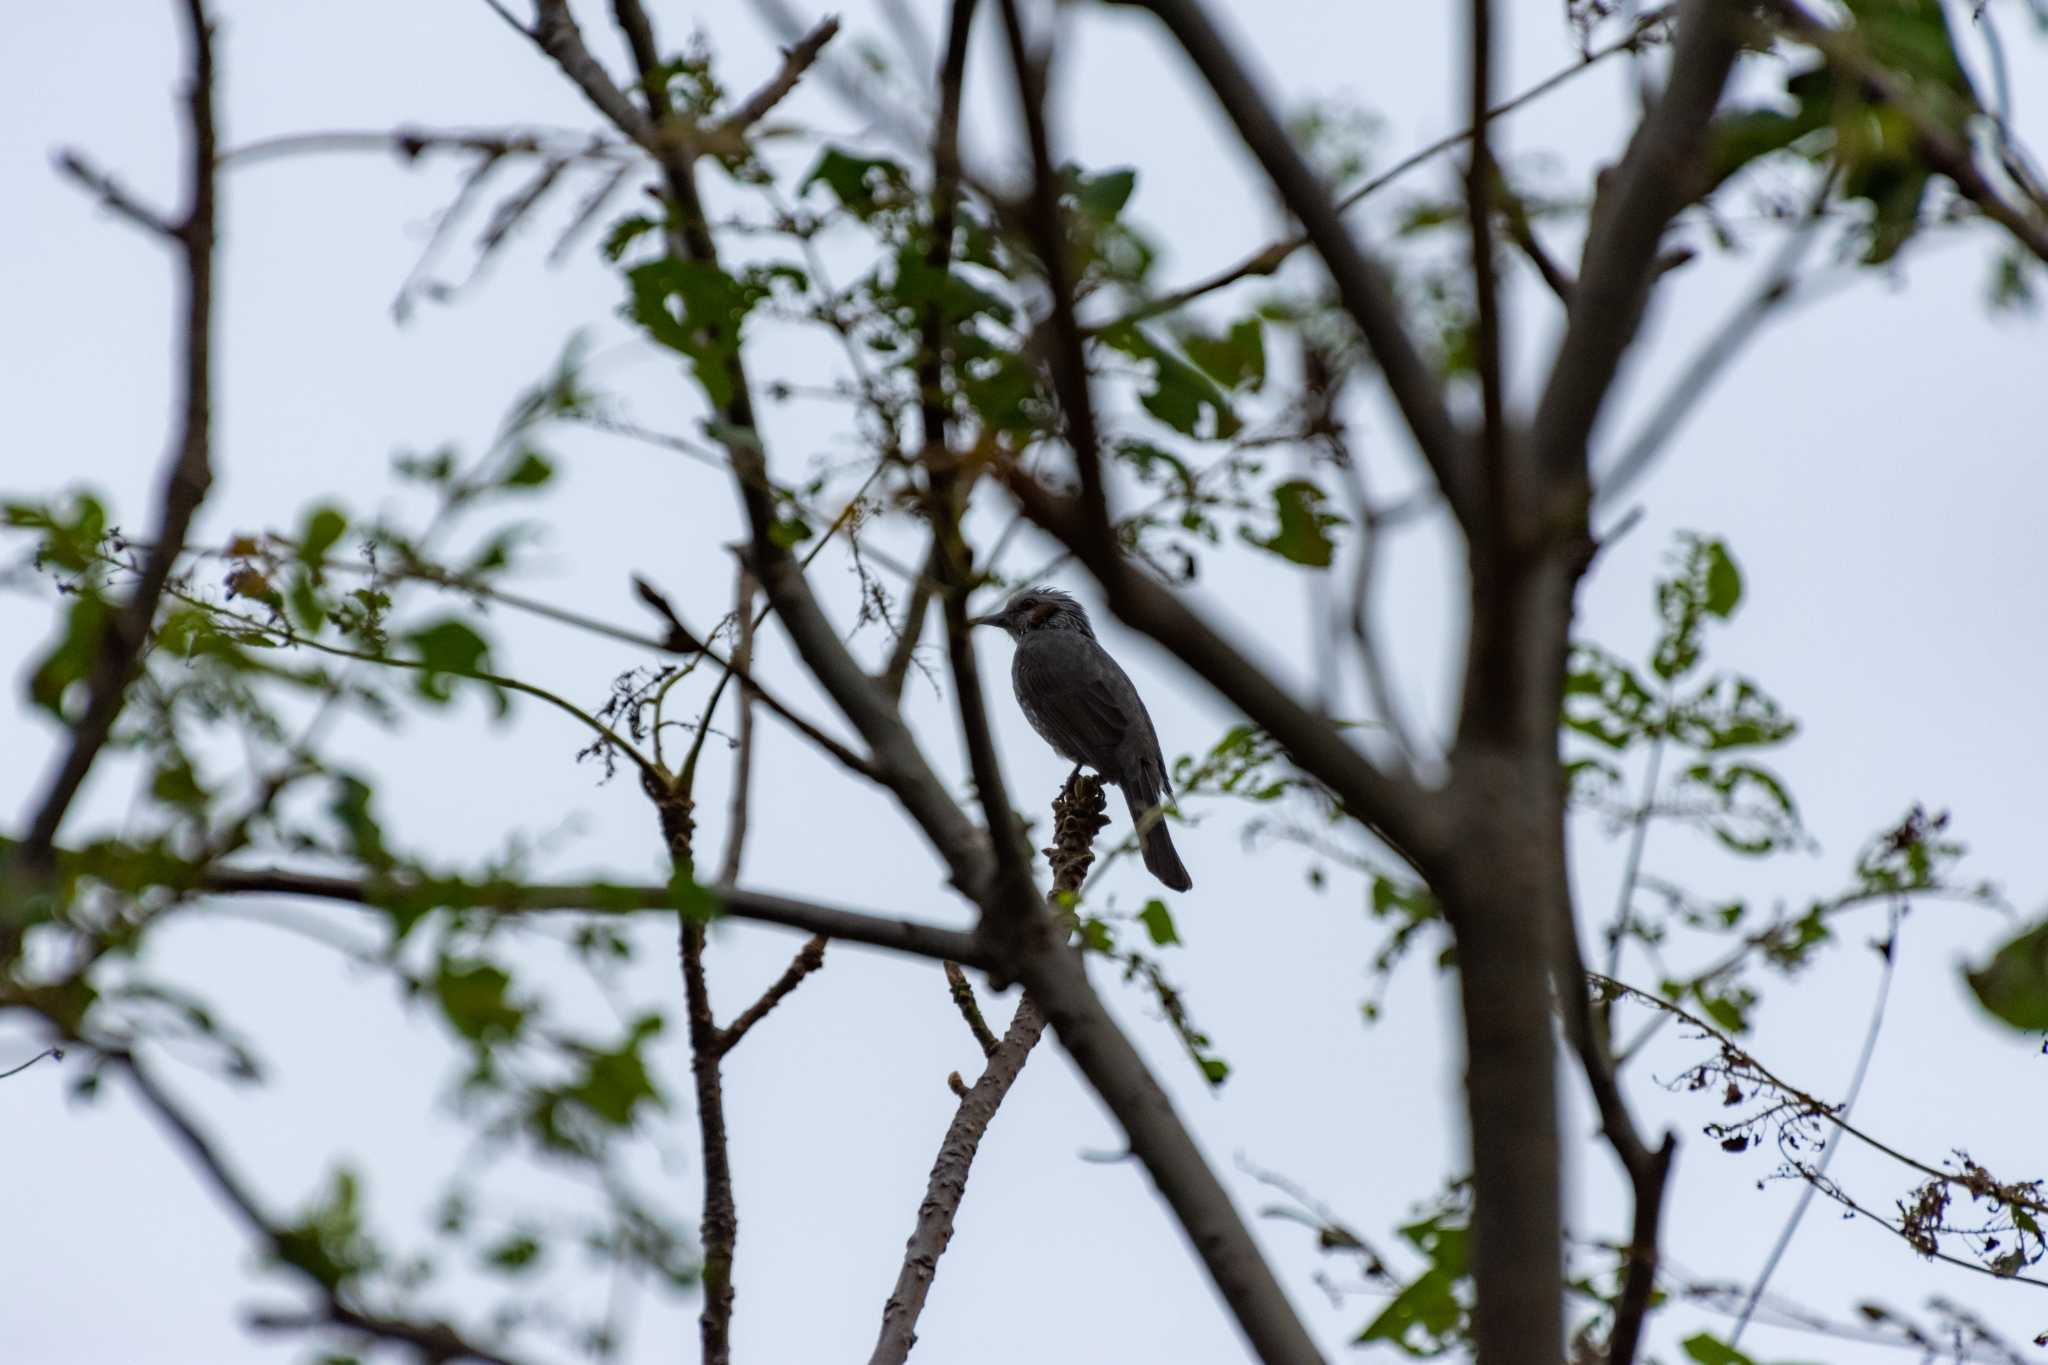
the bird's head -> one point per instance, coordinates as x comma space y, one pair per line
1035, 609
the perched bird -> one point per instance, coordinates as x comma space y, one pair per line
1083, 705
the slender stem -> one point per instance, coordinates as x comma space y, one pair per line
1632, 865
1890, 953
189, 472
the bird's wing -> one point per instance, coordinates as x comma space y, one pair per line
1070, 694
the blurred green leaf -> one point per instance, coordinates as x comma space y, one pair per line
2014, 984
1304, 531
1158, 922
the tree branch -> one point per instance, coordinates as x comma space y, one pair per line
743, 757
808, 959
956, 984
511, 898
1079, 814
435, 1341
1269, 258
1361, 283
1661, 173
796, 59
1481, 180
556, 33
186, 480
948, 1184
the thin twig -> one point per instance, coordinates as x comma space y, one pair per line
57, 1053
1362, 284
963, 1000
1889, 951
743, 756
808, 959
1716, 352
433, 1340
796, 59
1269, 258
189, 474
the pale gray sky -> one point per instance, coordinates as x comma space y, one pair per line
1874, 460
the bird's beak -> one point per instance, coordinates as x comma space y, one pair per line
994, 618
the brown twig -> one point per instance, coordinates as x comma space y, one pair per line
1079, 814
435, 1341
1268, 259
1647, 1170
1481, 183
743, 756
1361, 282
189, 474
963, 1000
796, 59
808, 959
948, 1183
1660, 174
514, 898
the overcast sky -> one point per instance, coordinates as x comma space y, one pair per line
1874, 460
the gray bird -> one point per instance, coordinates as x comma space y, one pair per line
1083, 705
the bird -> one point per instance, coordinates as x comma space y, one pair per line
1086, 708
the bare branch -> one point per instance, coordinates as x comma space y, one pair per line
808, 959
1079, 814
743, 756
1361, 283
1481, 182
948, 1183
556, 33
109, 192
901, 935
796, 59
963, 1000
1771, 293
57, 1053
434, 1340
190, 471
1661, 173
1269, 258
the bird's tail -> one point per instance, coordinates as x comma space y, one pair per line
1161, 860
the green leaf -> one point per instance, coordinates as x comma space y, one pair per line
475, 999
1303, 536
1708, 1350
862, 185
70, 660
694, 309
1180, 394
789, 531
517, 1254
1158, 922
324, 526
1102, 197
450, 649
1236, 359
2014, 984
1724, 581
624, 233
532, 470
1604, 700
